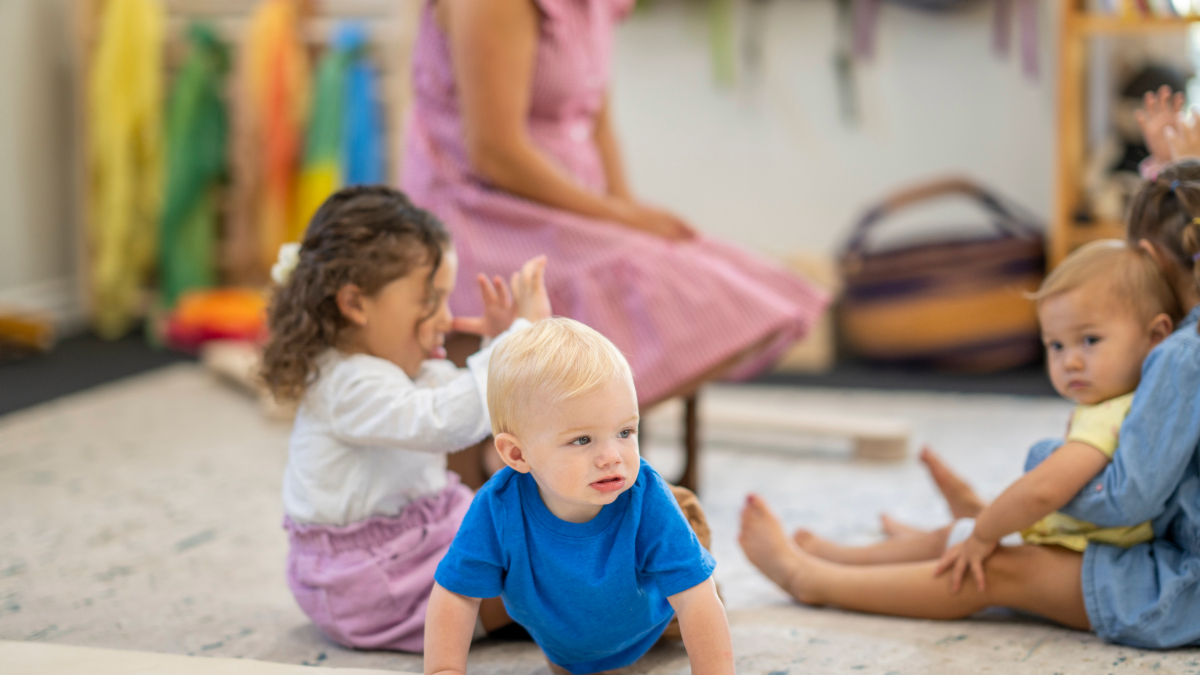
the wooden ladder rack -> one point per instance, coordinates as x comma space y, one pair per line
391, 30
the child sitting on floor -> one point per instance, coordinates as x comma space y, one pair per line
357, 329
1101, 311
583, 540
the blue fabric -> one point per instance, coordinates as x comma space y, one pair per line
1149, 595
362, 137
593, 595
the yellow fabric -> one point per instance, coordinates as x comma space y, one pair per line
1099, 426
317, 182
124, 117
1063, 530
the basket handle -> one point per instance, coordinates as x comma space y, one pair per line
1006, 221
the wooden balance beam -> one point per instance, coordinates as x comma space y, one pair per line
37, 658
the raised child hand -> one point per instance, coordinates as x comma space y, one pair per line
1184, 138
529, 290
498, 310
1160, 111
969, 554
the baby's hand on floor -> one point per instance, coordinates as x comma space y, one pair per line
968, 555
499, 310
529, 290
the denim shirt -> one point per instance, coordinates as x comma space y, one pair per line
1155, 472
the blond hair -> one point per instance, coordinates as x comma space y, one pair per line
1133, 277
554, 360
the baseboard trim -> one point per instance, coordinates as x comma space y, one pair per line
57, 297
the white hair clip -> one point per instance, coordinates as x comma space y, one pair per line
289, 255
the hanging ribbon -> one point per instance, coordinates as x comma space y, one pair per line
866, 19
1002, 33
866, 16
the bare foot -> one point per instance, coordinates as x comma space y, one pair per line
766, 545
808, 541
959, 496
893, 528
824, 549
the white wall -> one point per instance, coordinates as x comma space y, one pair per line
777, 169
36, 242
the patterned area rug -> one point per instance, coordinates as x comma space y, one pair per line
145, 515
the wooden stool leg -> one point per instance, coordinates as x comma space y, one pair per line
691, 443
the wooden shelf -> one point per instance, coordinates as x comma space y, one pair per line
1082, 233
1077, 27
1102, 25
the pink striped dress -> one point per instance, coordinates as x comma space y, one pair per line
676, 309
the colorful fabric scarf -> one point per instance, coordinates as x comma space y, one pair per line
271, 110
344, 137
124, 141
197, 130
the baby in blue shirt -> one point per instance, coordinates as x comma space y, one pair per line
582, 540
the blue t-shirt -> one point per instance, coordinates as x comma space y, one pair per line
593, 595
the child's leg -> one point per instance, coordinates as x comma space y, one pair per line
913, 547
1041, 579
468, 464
476, 464
690, 505
959, 496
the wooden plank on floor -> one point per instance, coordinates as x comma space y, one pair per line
37, 658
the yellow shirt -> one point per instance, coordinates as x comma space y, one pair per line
1099, 426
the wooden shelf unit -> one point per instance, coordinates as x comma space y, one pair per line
1077, 27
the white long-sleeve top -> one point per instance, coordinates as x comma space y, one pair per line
368, 439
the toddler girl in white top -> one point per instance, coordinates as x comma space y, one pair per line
357, 327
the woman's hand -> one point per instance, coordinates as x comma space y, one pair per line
969, 554
1160, 112
654, 221
529, 291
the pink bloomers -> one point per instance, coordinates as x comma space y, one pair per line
367, 585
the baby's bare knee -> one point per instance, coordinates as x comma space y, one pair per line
1010, 571
1008, 564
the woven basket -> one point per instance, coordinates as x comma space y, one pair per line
955, 305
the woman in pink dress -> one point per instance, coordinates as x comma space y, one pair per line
511, 144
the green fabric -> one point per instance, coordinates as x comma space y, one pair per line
320, 172
324, 140
197, 131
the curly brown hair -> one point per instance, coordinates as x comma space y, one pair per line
368, 236
1166, 211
